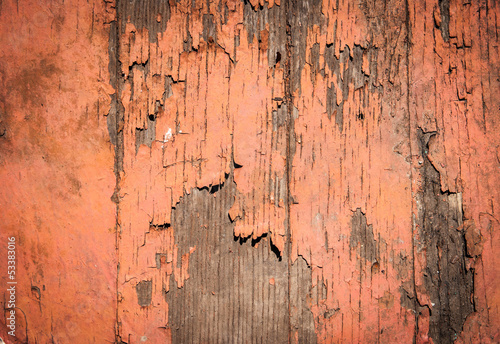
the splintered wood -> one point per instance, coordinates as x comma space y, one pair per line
226, 171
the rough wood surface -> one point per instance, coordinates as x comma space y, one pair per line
454, 70
226, 171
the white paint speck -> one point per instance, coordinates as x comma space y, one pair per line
168, 135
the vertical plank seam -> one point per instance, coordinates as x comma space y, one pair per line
115, 31
410, 136
289, 128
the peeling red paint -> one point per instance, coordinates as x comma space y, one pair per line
455, 99
218, 108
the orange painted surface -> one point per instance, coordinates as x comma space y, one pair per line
56, 170
214, 98
362, 166
455, 89
219, 106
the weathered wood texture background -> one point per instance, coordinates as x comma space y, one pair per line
226, 171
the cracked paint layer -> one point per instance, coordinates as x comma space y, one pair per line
284, 171
351, 172
452, 62
199, 101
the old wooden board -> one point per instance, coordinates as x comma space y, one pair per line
226, 171
56, 172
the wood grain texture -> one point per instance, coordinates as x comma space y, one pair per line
351, 169
202, 108
454, 75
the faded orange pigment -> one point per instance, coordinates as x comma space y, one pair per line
354, 158
317, 145
216, 109
454, 91
56, 170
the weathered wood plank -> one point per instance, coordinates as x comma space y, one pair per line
293, 171
351, 185
204, 117
56, 171
454, 137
